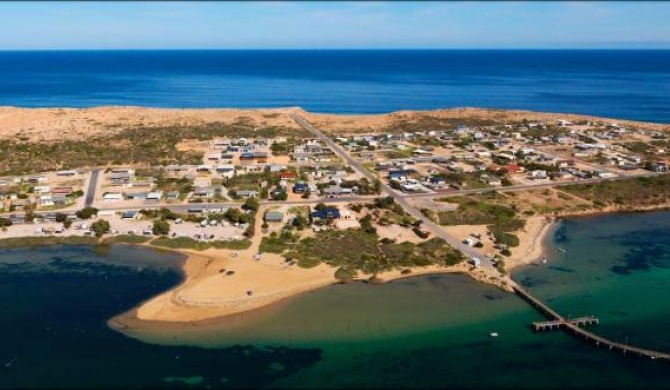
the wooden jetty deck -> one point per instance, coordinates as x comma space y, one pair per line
572, 325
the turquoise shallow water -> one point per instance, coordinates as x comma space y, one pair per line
434, 331
430, 331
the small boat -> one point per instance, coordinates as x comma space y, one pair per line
493, 334
544, 260
561, 250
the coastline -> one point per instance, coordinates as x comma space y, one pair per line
206, 294
192, 301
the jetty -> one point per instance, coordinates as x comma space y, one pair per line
556, 321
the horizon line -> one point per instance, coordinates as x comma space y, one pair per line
665, 48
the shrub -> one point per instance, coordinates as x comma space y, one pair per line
87, 212
100, 227
161, 228
345, 274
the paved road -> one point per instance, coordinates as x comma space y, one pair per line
413, 211
92, 186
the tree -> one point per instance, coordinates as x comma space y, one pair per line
67, 223
60, 217
345, 274
377, 186
320, 207
100, 227
4, 222
251, 204
87, 212
161, 228
280, 195
251, 230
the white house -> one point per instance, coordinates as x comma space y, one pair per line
112, 196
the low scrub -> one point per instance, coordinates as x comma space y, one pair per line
44, 241
190, 243
126, 239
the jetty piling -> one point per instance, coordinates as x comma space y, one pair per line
573, 326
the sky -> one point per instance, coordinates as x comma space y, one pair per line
333, 25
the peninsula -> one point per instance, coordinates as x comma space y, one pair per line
267, 204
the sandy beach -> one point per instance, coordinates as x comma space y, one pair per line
209, 292
222, 283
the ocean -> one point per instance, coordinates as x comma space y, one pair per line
429, 331
625, 84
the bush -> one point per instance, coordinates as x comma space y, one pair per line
60, 217
67, 223
505, 238
345, 274
100, 227
161, 228
251, 230
251, 204
87, 212
506, 252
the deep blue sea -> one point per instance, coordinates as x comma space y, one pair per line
626, 84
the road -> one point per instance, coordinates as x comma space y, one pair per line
410, 209
92, 186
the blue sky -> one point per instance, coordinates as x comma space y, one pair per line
242, 25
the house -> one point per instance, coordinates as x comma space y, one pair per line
136, 196
247, 158
336, 190
36, 179
119, 178
172, 195
247, 193
155, 195
301, 157
327, 213
537, 174
42, 189
513, 168
69, 173
226, 158
203, 168
410, 185
204, 192
436, 181
62, 191
126, 171
129, 215
299, 188
227, 171
274, 216
112, 196
288, 175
